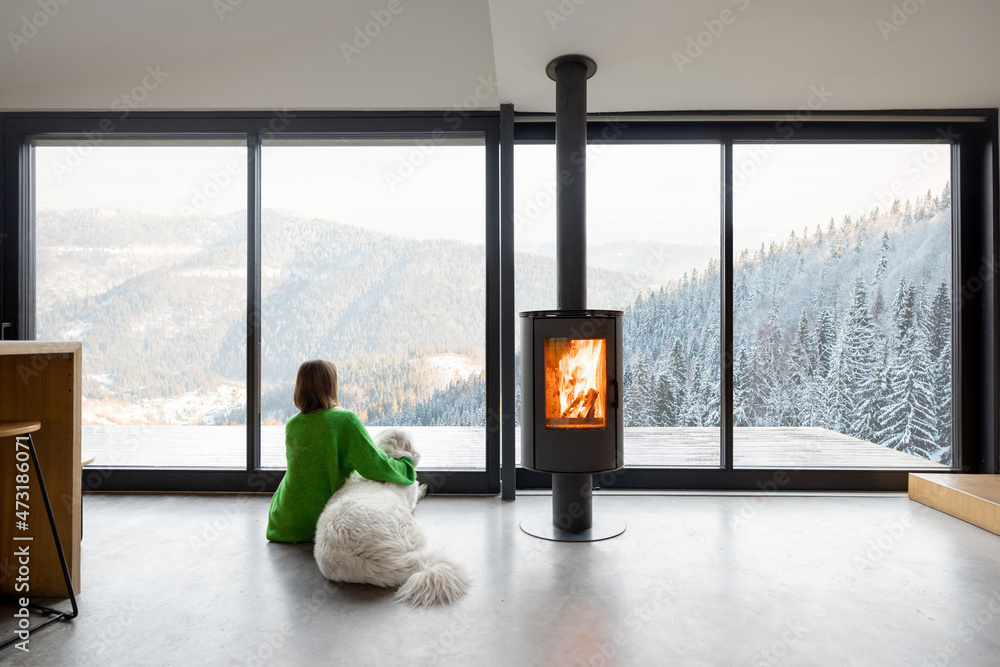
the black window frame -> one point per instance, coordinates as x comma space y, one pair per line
973, 136
17, 256
976, 241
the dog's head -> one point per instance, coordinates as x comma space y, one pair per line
397, 443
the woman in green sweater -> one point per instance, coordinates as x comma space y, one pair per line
324, 444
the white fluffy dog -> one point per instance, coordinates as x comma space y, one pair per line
367, 535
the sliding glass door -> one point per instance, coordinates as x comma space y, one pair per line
798, 295
374, 257
201, 260
842, 306
653, 247
140, 252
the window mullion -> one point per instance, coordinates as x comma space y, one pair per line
726, 303
253, 301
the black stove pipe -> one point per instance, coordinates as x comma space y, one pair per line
571, 74
572, 505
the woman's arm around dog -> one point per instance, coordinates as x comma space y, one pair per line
362, 454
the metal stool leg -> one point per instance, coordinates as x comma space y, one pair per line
57, 615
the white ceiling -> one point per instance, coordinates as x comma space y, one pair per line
438, 54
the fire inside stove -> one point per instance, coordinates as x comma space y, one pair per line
576, 383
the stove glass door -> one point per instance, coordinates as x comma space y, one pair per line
576, 383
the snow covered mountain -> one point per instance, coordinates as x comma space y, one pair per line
847, 326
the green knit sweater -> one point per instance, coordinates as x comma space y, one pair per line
323, 448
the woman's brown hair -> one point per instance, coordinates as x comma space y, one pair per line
316, 386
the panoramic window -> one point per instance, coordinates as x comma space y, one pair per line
842, 306
141, 254
653, 229
373, 256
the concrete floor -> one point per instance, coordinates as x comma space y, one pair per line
695, 580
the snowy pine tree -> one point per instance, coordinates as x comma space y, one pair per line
942, 410
860, 377
741, 385
677, 381
909, 417
803, 358
826, 341
939, 322
883, 258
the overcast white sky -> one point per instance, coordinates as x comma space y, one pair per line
666, 193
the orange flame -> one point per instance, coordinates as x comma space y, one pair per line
576, 382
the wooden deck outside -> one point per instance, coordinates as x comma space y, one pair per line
464, 448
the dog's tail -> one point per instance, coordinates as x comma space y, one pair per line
436, 580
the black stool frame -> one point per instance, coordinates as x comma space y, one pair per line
56, 614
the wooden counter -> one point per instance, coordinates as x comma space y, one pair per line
971, 498
42, 381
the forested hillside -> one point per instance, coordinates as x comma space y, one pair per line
153, 297
160, 305
844, 325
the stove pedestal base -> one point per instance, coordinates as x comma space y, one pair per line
572, 517
606, 526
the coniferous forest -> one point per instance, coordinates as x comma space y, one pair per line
844, 325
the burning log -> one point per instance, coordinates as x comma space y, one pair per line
582, 405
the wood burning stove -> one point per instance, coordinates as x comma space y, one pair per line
571, 415
571, 374
571, 358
